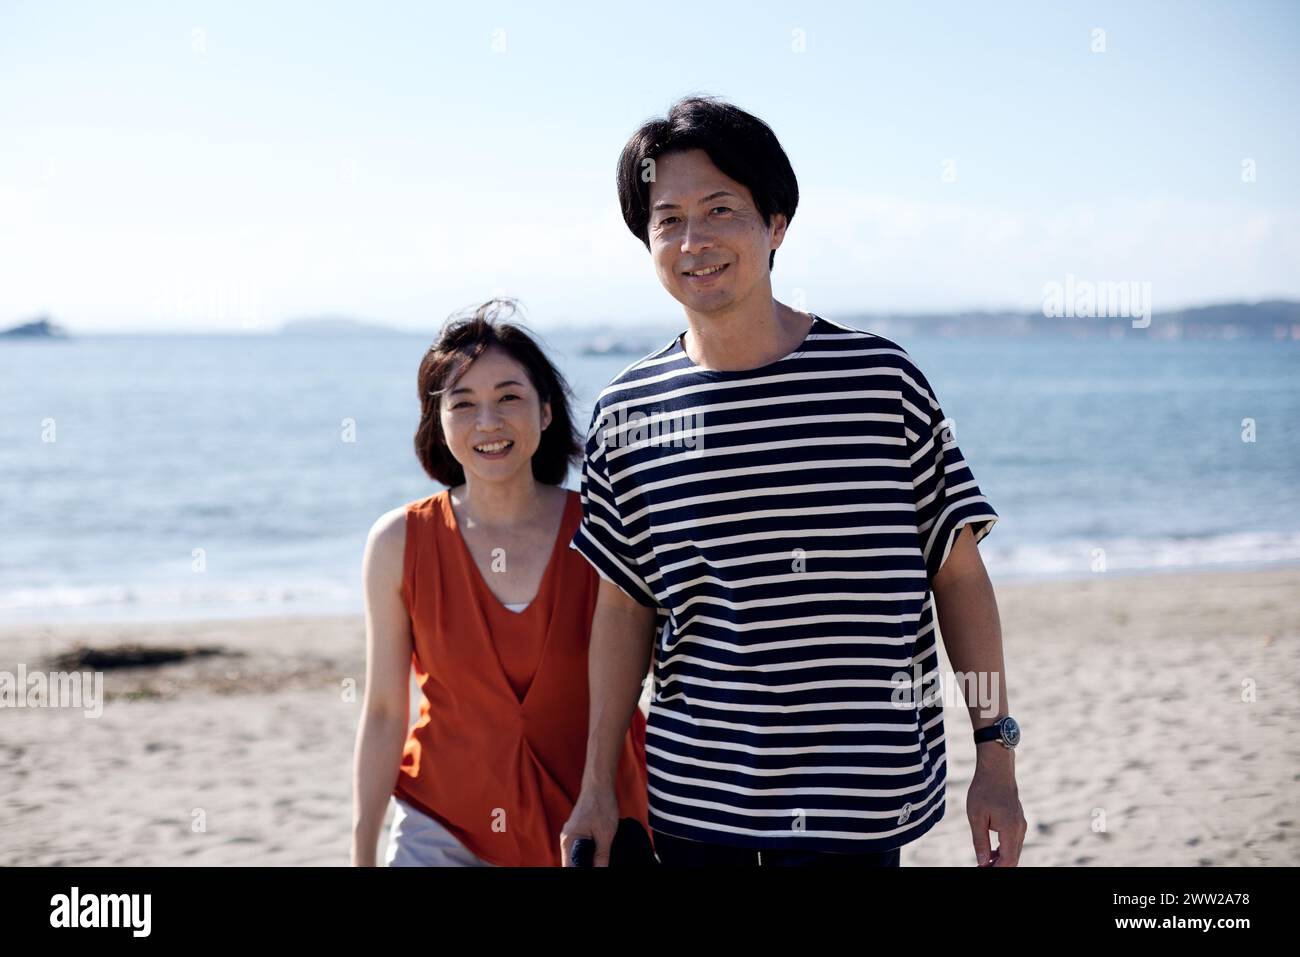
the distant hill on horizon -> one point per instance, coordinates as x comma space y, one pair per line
1274, 319
1269, 319
39, 328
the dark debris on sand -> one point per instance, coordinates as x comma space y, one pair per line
131, 655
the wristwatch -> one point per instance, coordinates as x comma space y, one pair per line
1005, 731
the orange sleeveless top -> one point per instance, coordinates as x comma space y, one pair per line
497, 754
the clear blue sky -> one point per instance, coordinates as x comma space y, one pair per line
193, 166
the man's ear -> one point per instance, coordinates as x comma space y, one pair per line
779, 223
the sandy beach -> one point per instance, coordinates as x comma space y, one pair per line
1159, 729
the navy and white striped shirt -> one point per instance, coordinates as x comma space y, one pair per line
786, 522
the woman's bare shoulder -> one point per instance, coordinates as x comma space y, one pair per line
390, 528
390, 525
386, 543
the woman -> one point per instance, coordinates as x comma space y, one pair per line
476, 586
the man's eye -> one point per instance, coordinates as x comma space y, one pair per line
727, 208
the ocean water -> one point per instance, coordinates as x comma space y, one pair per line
123, 459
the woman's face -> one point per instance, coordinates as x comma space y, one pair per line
492, 417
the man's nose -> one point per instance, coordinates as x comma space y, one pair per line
696, 235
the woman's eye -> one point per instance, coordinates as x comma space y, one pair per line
666, 220
504, 397
727, 208
460, 405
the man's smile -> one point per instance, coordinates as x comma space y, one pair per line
706, 272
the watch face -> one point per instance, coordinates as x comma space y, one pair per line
1010, 732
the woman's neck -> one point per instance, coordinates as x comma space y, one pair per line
491, 505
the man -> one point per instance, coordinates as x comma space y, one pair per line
785, 493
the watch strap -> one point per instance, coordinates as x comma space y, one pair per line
992, 733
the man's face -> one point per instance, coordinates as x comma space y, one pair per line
701, 218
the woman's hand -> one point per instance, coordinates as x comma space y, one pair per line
595, 815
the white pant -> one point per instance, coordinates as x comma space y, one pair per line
417, 840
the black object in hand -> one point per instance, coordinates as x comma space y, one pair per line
631, 847
582, 852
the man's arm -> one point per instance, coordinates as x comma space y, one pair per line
622, 638
972, 632
972, 635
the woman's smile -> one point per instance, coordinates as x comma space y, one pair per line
498, 449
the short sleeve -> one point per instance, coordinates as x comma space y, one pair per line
946, 494
601, 537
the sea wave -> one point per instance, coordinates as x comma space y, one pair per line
169, 602
1084, 557
1066, 559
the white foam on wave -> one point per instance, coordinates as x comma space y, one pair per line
1133, 555
1015, 562
170, 602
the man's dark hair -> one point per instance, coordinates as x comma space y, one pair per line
463, 339
740, 145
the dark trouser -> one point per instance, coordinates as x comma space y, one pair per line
679, 852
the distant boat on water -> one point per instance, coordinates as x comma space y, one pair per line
41, 328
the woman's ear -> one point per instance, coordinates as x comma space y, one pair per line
546, 416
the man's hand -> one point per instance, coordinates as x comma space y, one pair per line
993, 804
595, 815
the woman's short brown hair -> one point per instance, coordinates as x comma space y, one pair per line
464, 337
